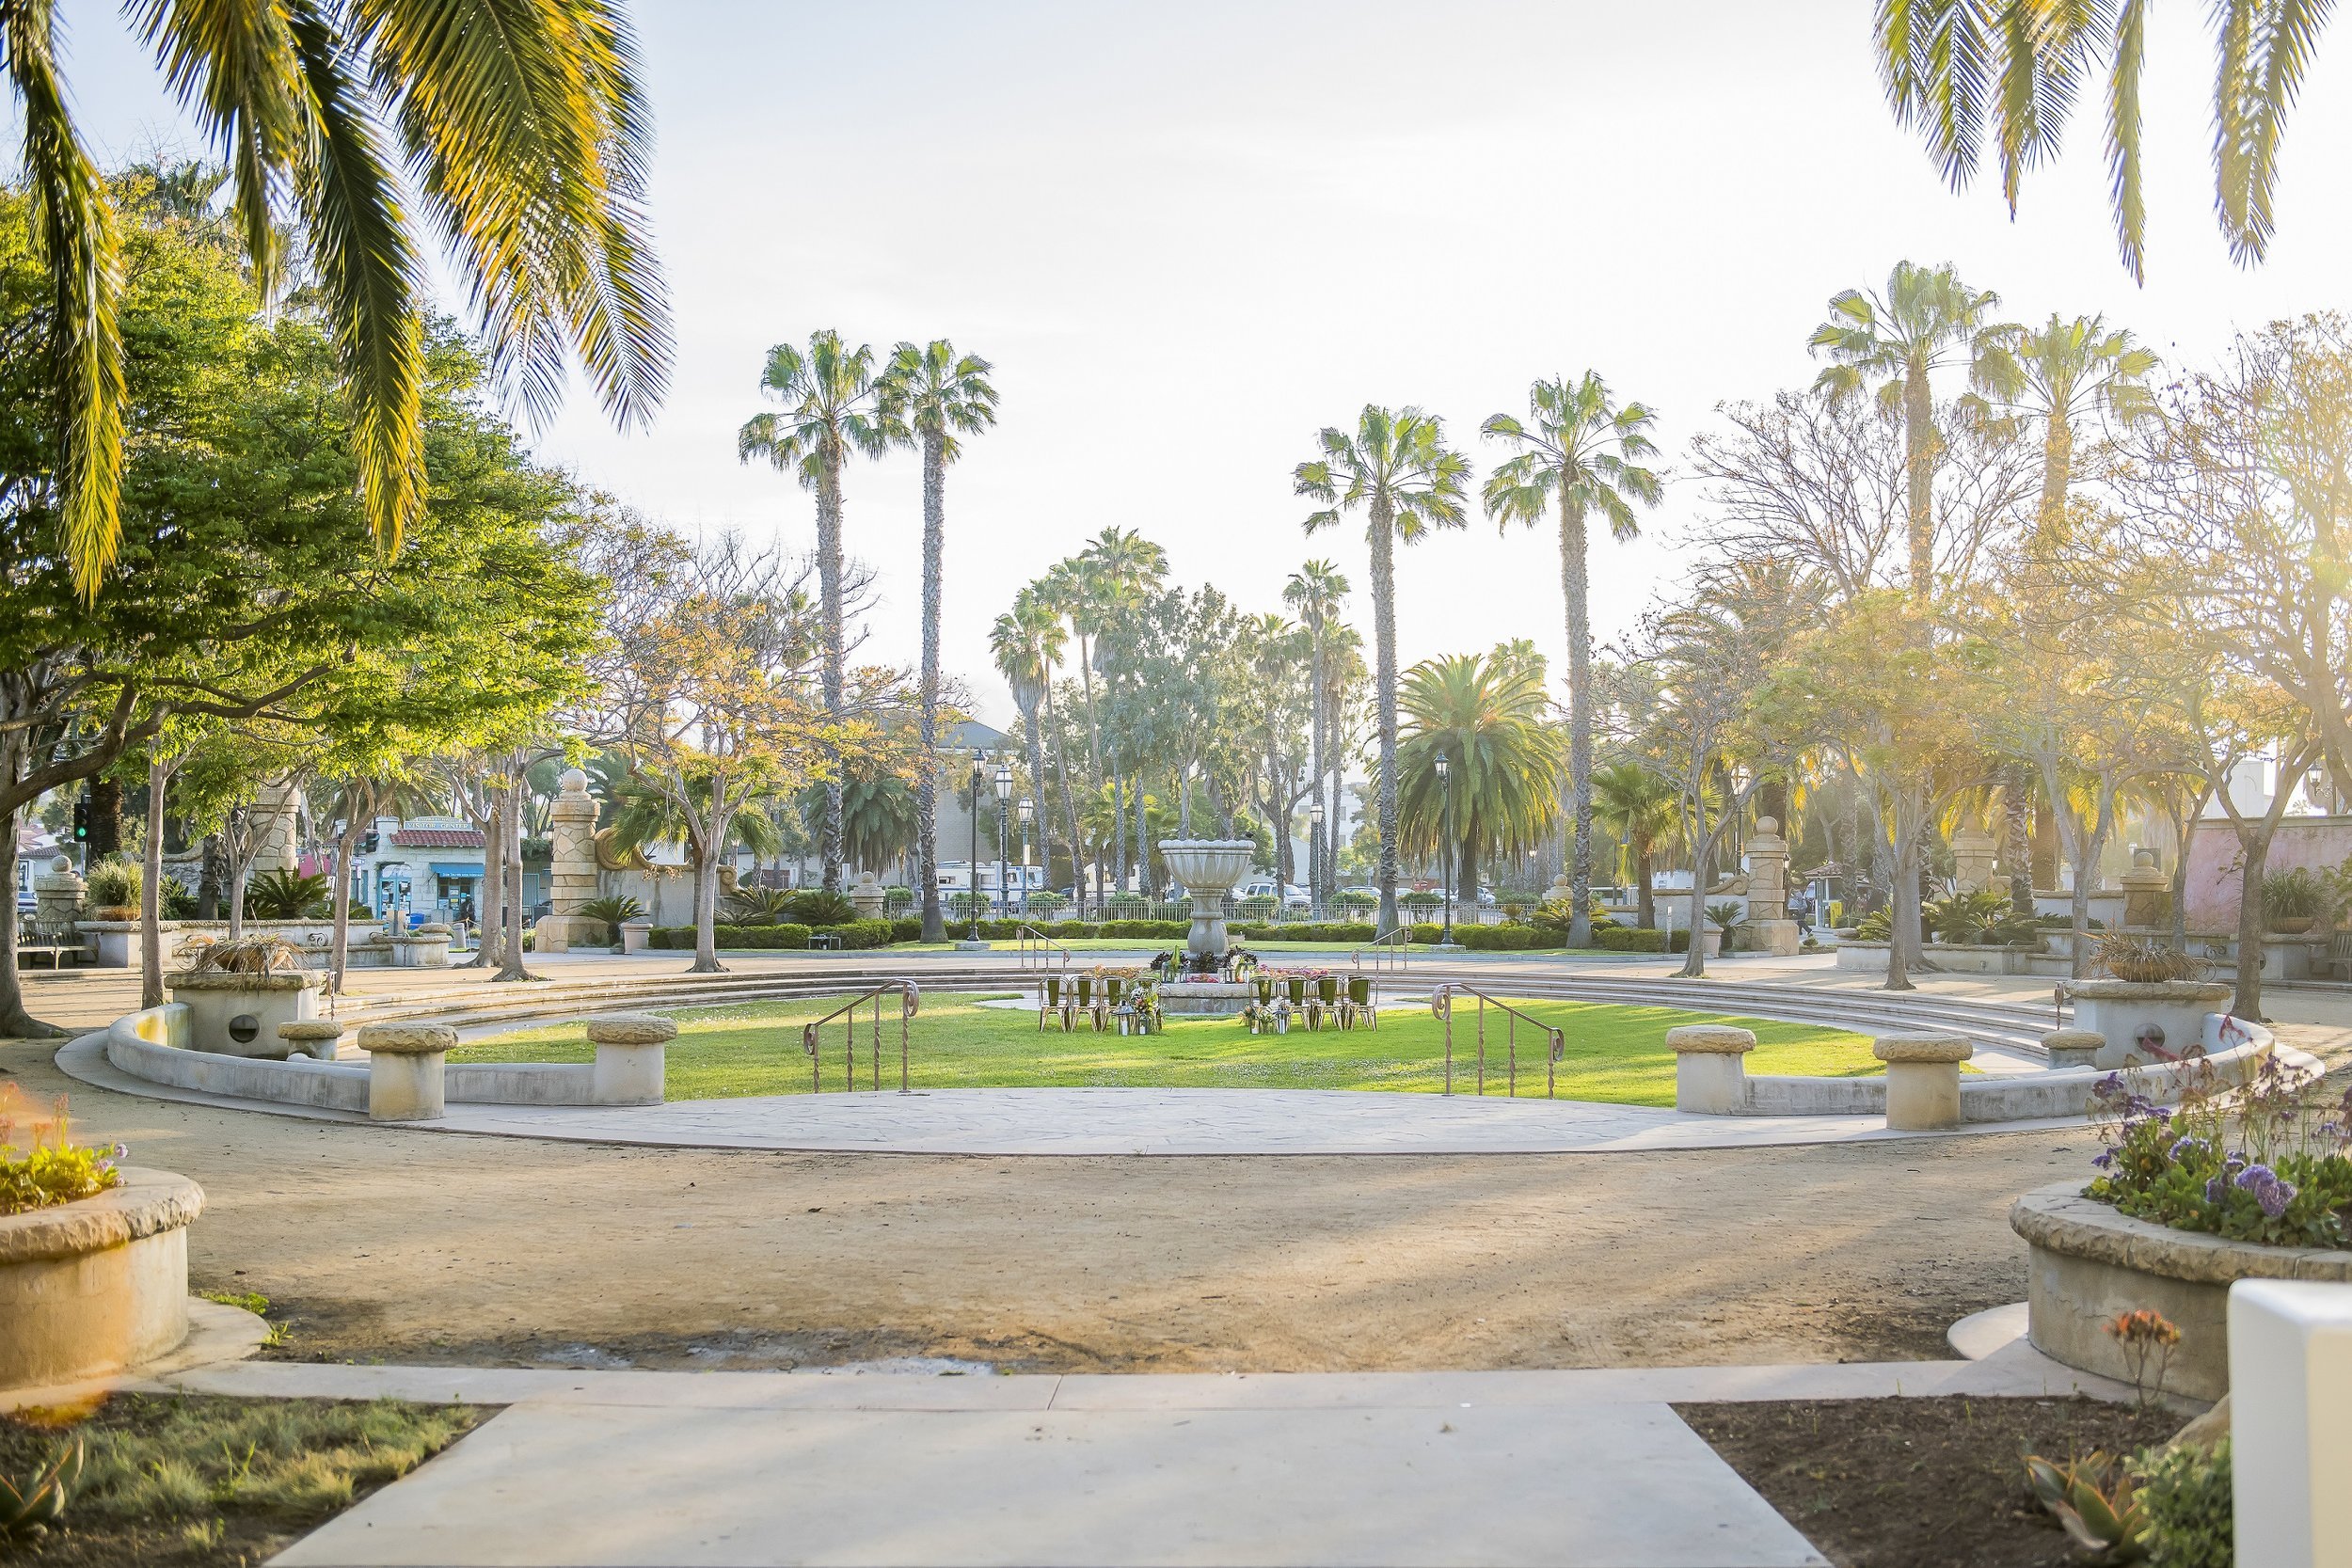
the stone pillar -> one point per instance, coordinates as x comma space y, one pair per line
1768, 928
57, 900
2147, 893
405, 1068
1922, 1079
572, 865
2291, 1420
867, 898
276, 829
1971, 859
2070, 1048
631, 1050
317, 1037
1710, 1068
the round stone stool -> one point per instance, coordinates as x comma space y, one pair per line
1922, 1079
405, 1062
2073, 1047
315, 1038
631, 1052
1710, 1068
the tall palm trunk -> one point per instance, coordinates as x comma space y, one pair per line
1042, 817
1384, 675
829, 588
926, 794
1574, 589
1644, 900
2057, 474
1919, 479
1070, 813
1318, 866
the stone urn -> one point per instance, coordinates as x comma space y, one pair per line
867, 898
1208, 867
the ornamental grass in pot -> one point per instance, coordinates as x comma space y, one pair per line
2144, 960
2294, 901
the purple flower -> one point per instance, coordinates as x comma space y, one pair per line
2185, 1145
2214, 1189
2104, 1157
123, 1151
2271, 1193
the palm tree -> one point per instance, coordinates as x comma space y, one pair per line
1927, 319
1027, 642
2004, 73
1112, 576
1640, 809
2067, 372
526, 145
1580, 452
1314, 593
1485, 717
1398, 468
831, 408
934, 395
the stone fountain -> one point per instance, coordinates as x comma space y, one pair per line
1208, 867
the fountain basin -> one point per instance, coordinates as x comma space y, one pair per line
1208, 867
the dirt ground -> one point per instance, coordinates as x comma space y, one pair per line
379, 1243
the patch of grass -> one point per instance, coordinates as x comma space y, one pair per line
205, 1479
1613, 1052
250, 1301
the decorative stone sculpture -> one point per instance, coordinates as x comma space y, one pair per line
1922, 1079
571, 866
1710, 1068
404, 1063
1768, 928
58, 899
867, 898
1971, 859
1208, 867
2147, 892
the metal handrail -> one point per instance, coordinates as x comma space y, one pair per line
910, 1000
1034, 943
1393, 943
1441, 1003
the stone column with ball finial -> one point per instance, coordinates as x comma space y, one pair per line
1768, 929
572, 866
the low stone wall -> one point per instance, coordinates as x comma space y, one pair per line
87, 1288
521, 1083
153, 1045
2090, 1262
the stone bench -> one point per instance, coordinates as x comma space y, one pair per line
1710, 1068
631, 1052
404, 1063
2073, 1048
1922, 1079
315, 1038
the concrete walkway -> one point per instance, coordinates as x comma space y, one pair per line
628, 1468
1101, 1121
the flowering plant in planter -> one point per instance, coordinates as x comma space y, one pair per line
51, 1168
2258, 1160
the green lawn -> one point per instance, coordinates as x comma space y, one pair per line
1615, 1054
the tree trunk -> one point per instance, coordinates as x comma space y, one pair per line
2253, 837
490, 929
15, 1022
1902, 947
2018, 850
1143, 847
105, 819
706, 911
1644, 901
1384, 675
2057, 473
1319, 889
1919, 483
1703, 845
1069, 814
152, 888
1573, 588
829, 568
512, 813
207, 879
1039, 815
927, 796
1119, 833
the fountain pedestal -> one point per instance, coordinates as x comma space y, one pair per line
1208, 867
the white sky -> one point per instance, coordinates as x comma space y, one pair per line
1190, 236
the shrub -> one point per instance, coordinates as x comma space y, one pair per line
2296, 895
611, 910
1044, 906
896, 899
2254, 1158
1420, 901
785, 934
283, 895
115, 883
2185, 1491
814, 906
1984, 918
757, 906
1353, 900
2147, 960
177, 903
1637, 938
1878, 925
49, 1167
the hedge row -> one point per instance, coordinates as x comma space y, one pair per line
786, 934
1635, 938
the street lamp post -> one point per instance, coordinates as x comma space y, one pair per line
1027, 810
1004, 831
1314, 859
1445, 784
979, 782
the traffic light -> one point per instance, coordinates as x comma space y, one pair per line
81, 821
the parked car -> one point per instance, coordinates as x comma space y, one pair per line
1293, 896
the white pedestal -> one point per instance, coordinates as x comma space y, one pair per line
2291, 1422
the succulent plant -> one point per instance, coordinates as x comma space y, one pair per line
41, 1501
2096, 1501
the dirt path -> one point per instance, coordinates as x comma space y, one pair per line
385, 1244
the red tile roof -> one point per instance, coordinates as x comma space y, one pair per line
436, 838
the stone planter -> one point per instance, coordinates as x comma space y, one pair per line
426, 947
237, 1015
2137, 1016
87, 1288
635, 935
2090, 1262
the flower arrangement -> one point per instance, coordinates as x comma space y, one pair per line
2259, 1159
1147, 1005
1259, 1016
51, 1168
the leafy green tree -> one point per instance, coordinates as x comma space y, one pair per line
936, 395
1397, 468
883, 821
1486, 719
1579, 453
523, 140
833, 408
1927, 319
1637, 807
1970, 76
